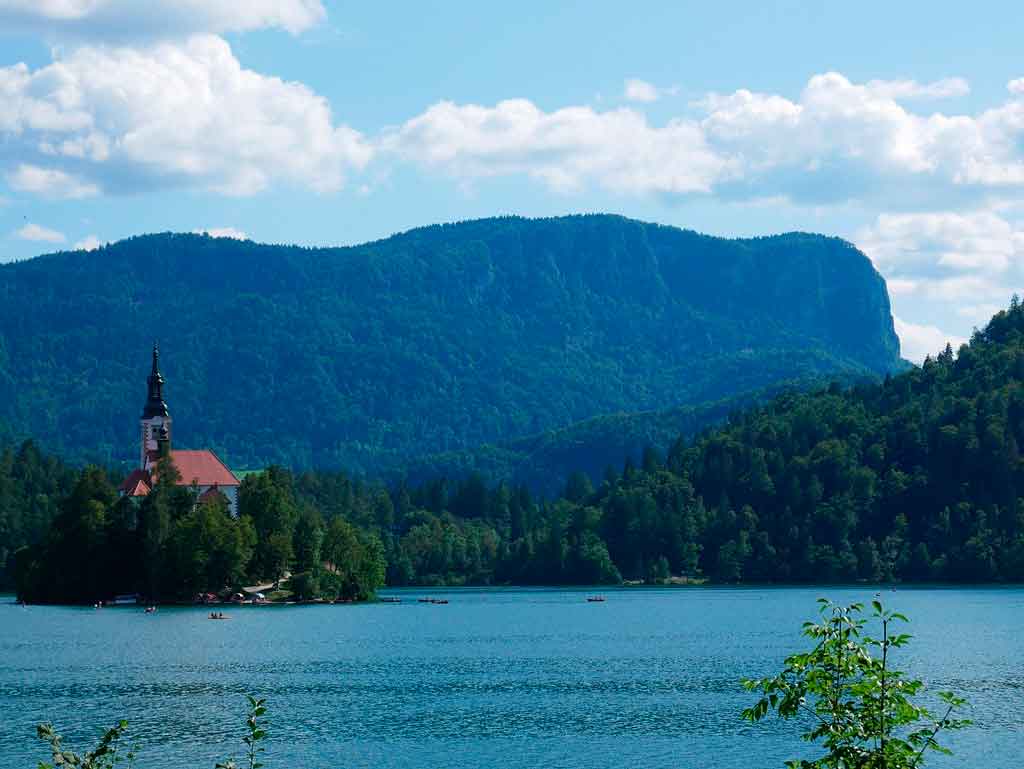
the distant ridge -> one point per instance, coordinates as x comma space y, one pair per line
435, 340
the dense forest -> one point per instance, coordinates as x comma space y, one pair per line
431, 342
917, 478
32, 486
545, 462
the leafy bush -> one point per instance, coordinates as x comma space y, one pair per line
863, 710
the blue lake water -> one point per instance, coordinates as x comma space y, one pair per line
496, 678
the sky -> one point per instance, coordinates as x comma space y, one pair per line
898, 126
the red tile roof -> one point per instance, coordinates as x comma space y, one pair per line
202, 468
137, 484
140, 489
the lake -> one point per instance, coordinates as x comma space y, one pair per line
496, 678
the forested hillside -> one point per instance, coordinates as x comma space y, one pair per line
438, 340
918, 478
543, 463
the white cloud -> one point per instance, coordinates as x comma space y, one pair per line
910, 89
1016, 86
901, 286
918, 341
947, 265
39, 233
133, 20
565, 149
838, 141
959, 289
88, 243
975, 241
120, 119
642, 91
223, 232
49, 182
186, 113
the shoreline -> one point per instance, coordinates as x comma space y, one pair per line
10, 599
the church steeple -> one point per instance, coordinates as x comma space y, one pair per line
155, 406
156, 421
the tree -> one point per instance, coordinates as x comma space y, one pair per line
158, 511
277, 554
356, 560
208, 550
862, 710
267, 498
308, 540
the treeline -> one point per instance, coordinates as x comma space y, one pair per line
918, 478
175, 546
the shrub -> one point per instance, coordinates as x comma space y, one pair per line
864, 711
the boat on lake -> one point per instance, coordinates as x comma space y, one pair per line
595, 599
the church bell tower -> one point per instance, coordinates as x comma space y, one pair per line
156, 421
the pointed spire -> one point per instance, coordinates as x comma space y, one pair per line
155, 406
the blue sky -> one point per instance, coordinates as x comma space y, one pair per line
899, 126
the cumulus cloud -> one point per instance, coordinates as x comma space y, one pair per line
1016, 86
947, 264
918, 341
838, 141
119, 119
88, 243
642, 91
132, 20
566, 149
49, 182
223, 232
36, 232
977, 241
910, 89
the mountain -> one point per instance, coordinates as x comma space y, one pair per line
436, 340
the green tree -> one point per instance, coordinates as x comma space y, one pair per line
308, 540
863, 711
356, 560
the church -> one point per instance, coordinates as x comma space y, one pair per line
199, 469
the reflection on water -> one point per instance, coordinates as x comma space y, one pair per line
496, 678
